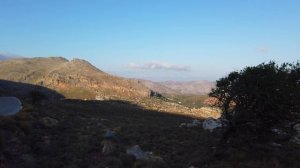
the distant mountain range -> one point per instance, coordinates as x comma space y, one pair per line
4, 57
80, 79
180, 87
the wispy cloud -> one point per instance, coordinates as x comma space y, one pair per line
263, 49
159, 66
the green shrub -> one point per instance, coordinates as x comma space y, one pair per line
265, 96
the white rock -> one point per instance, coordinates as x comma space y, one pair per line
275, 144
196, 122
296, 138
277, 131
99, 98
297, 128
137, 152
182, 125
189, 125
9, 106
210, 124
108, 147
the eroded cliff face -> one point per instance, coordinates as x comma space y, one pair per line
75, 78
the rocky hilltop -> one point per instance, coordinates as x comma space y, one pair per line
74, 79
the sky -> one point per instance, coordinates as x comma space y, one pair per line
155, 39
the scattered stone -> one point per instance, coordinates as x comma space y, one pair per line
189, 125
49, 122
99, 98
145, 159
137, 152
277, 131
210, 124
110, 142
195, 123
182, 125
280, 135
274, 144
108, 146
296, 137
9, 106
111, 135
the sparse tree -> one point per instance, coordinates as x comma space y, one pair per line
265, 96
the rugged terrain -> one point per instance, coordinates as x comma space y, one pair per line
66, 129
75, 78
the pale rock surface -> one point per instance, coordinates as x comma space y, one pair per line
9, 106
211, 124
137, 152
296, 138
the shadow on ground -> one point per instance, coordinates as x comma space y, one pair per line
68, 133
22, 90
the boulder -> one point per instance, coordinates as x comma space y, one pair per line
145, 159
49, 122
194, 123
108, 146
211, 124
9, 106
137, 152
182, 125
296, 137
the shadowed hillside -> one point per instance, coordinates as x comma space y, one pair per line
23, 90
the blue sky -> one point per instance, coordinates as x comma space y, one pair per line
155, 39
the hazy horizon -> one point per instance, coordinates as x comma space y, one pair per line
154, 40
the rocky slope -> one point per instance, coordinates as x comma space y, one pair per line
74, 79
